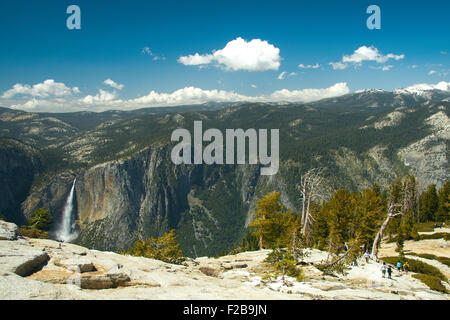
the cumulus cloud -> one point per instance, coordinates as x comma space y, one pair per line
365, 53
431, 72
113, 84
45, 89
338, 65
370, 54
106, 100
238, 54
307, 95
101, 97
309, 66
196, 59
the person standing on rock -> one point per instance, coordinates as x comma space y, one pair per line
383, 269
389, 270
399, 266
406, 267
367, 256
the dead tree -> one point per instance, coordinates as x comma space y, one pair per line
391, 213
309, 188
396, 209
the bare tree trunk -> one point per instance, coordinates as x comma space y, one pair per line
379, 236
309, 185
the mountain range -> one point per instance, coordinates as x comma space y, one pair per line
128, 188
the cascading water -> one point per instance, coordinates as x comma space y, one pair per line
66, 230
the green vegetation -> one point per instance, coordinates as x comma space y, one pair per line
417, 266
438, 235
272, 221
425, 226
434, 283
443, 211
283, 263
429, 256
164, 248
38, 226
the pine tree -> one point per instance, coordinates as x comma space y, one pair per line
164, 248
371, 212
272, 221
40, 220
442, 213
429, 204
321, 229
341, 209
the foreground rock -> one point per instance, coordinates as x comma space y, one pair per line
8, 231
20, 258
65, 271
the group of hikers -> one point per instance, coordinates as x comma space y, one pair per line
387, 268
400, 267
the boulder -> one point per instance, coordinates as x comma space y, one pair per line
21, 259
8, 231
103, 281
76, 264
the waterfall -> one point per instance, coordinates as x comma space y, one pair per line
66, 230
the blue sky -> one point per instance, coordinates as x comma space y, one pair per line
412, 47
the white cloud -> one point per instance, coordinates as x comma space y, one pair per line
309, 66
364, 53
369, 54
101, 97
113, 84
146, 50
105, 100
196, 59
253, 86
307, 95
45, 89
338, 65
382, 68
282, 75
238, 54
431, 72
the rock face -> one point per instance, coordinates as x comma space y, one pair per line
18, 165
128, 188
8, 231
20, 258
107, 275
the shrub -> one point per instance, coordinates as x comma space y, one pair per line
443, 260
425, 226
164, 248
438, 235
31, 232
434, 283
417, 266
283, 262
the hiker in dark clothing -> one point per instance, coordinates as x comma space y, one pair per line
389, 270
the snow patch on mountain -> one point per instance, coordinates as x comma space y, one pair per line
422, 88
